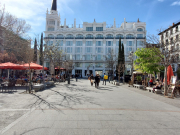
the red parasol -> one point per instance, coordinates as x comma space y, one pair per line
32, 66
169, 74
10, 65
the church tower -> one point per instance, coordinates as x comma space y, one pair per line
52, 18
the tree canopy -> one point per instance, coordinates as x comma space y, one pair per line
148, 60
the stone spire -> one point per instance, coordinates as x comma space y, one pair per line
54, 5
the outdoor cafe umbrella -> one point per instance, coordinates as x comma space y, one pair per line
169, 74
32, 66
10, 65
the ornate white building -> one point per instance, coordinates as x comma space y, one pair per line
88, 44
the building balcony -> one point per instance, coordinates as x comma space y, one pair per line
48, 37
69, 37
130, 38
140, 37
79, 37
109, 37
89, 37
99, 37
59, 37
119, 37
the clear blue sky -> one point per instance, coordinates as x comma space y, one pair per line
156, 13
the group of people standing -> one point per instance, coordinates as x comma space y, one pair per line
96, 80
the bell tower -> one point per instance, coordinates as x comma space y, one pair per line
52, 18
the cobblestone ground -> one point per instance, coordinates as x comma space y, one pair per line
79, 108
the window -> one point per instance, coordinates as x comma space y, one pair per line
171, 31
78, 43
177, 37
99, 50
129, 49
49, 43
176, 28
79, 35
139, 35
99, 65
50, 35
129, 43
69, 43
99, 36
78, 57
140, 43
130, 36
50, 28
109, 36
119, 36
68, 57
69, 36
69, 49
166, 34
51, 22
99, 28
89, 36
89, 43
89, 28
117, 43
99, 43
59, 43
171, 40
109, 43
47, 64
108, 50
99, 57
88, 49
166, 41
177, 57
139, 29
78, 50
88, 65
78, 64
88, 57
60, 35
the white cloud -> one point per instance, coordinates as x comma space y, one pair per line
176, 3
34, 11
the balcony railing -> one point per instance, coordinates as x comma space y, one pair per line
48, 37
69, 37
129, 37
59, 37
99, 37
79, 37
89, 37
109, 37
140, 37
119, 37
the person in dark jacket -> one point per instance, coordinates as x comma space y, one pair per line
97, 80
92, 79
76, 76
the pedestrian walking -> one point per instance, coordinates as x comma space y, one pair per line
104, 78
92, 79
76, 76
97, 80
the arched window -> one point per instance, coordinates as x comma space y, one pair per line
89, 36
99, 36
129, 36
109, 36
119, 36
51, 36
60, 35
69, 36
139, 29
79, 36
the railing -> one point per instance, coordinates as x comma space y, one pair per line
69, 37
109, 37
99, 37
129, 37
48, 37
79, 37
119, 37
89, 37
59, 37
140, 37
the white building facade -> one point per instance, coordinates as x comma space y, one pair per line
171, 36
89, 44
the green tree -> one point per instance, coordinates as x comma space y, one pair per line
35, 51
41, 50
148, 60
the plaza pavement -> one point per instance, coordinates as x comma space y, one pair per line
79, 109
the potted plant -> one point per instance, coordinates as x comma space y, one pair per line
139, 80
